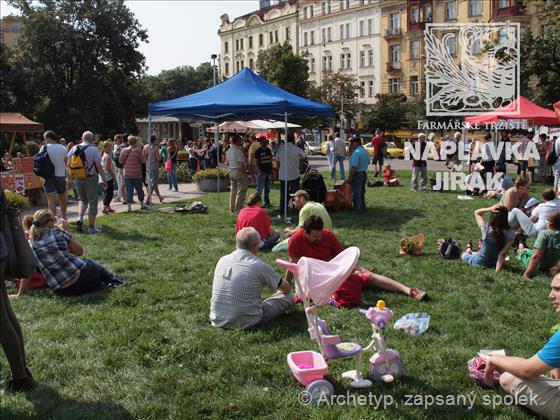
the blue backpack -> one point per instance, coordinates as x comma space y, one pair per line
42, 164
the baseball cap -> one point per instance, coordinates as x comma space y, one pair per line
301, 193
531, 202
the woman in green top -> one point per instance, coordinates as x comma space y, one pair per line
163, 151
546, 249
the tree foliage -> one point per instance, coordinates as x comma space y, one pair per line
179, 81
388, 113
341, 91
289, 71
76, 65
540, 59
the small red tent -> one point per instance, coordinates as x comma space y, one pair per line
522, 109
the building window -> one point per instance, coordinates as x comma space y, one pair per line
451, 45
370, 26
16, 27
251, 63
324, 35
276, 35
242, 64
428, 13
305, 39
329, 34
450, 10
362, 89
261, 40
311, 11
236, 45
394, 21
475, 46
415, 49
362, 58
370, 88
475, 7
227, 69
329, 61
394, 85
502, 35
312, 37
324, 64
226, 47
414, 85
348, 31
250, 42
342, 61
395, 52
305, 13
271, 37
415, 14
326, 7
502, 4
362, 26
241, 44
370, 53
341, 32
345, 61
288, 34
311, 65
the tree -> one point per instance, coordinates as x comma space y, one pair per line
289, 71
388, 113
341, 91
540, 59
79, 63
179, 81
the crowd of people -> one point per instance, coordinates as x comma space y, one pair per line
127, 167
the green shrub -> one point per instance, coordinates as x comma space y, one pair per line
16, 200
183, 173
210, 174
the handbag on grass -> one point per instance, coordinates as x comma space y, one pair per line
21, 261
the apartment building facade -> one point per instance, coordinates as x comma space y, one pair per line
244, 37
10, 29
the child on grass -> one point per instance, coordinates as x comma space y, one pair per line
390, 177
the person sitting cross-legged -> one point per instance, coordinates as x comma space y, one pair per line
546, 250
315, 242
524, 378
308, 208
255, 216
239, 278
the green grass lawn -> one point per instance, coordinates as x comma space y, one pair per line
148, 350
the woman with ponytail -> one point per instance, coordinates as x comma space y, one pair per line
57, 253
497, 238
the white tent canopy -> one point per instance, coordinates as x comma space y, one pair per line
254, 125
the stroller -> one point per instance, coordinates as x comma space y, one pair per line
316, 282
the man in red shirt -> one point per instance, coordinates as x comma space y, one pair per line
378, 143
315, 242
255, 216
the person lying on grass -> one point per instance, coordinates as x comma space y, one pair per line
546, 250
497, 238
237, 287
524, 378
315, 242
58, 254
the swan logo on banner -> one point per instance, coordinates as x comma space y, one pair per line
471, 68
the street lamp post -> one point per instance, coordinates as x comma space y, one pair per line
217, 134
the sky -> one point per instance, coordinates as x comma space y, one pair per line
180, 32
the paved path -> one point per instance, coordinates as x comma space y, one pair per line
186, 192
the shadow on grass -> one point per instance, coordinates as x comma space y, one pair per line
375, 218
50, 404
124, 235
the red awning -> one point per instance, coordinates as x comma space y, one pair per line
520, 109
12, 122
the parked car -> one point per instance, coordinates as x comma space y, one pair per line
394, 151
312, 148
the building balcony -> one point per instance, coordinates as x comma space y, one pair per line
516, 8
416, 26
392, 33
394, 66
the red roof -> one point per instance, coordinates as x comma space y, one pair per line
522, 109
12, 122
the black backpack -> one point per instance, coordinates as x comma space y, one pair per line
551, 156
42, 164
450, 250
117, 156
314, 184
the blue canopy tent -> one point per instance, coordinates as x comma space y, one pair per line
245, 96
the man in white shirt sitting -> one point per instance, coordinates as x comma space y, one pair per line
532, 225
237, 287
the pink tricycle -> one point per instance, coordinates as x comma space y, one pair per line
316, 281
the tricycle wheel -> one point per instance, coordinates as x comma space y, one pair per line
319, 390
377, 371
